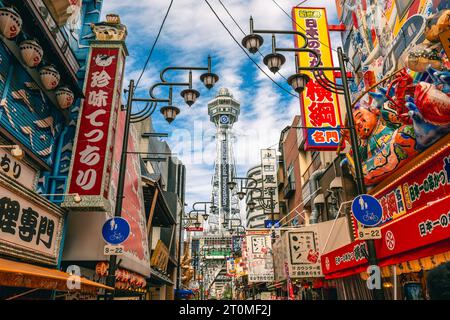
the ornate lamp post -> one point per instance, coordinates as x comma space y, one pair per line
298, 81
169, 112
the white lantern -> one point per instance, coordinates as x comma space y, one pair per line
10, 22
65, 97
50, 77
31, 52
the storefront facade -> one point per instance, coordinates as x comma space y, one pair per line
409, 174
38, 87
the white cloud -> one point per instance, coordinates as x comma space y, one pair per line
191, 33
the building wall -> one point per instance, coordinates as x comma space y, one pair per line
256, 218
292, 160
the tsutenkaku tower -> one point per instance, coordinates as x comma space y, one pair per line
223, 111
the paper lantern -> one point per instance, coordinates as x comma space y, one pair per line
50, 77
10, 22
65, 97
31, 52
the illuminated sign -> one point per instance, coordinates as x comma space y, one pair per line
92, 157
320, 108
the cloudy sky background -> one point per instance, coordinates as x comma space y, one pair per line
191, 33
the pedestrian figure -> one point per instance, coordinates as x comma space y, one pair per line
438, 282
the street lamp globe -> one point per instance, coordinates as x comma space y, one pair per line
205, 216
209, 79
197, 224
251, 205
170, 113
231, 184
190, 96
274, 61
252, 42
298, 81
224, 224
241, 195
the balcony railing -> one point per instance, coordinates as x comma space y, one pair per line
289, 190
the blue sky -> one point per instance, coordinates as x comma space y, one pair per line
191, 33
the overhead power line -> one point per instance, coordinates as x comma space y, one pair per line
243, 32
245, 51
154, 44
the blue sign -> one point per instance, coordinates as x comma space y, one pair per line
270, 223
367, 210
116, 230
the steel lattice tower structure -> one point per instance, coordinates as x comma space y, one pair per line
223, 111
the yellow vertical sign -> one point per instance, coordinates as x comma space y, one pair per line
320, 108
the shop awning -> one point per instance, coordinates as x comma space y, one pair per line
19, 274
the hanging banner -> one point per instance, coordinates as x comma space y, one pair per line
94, 142
259, 256
231, 267
269, 176
319, 107
303, 252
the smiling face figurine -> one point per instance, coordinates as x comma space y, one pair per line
366, 121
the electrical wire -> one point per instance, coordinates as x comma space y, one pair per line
303, 29
246, 53
243, 32
154, 44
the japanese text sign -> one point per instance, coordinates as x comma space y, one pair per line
17, 170
320, 108
91, 162
269, 177
30, 226
303, 251
259, 257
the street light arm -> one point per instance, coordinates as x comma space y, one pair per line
184, 84
298, 33
161, 75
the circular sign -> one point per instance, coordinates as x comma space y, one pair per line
116, 230
367, 210
390, 240
224, 120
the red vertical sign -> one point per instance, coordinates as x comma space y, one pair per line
92, 158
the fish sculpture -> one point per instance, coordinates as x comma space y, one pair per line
432, 103
426, 133
46, 123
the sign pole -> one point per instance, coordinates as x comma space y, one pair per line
111, 278
360, 186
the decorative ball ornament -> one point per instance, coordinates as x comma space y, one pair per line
31, 52
50, 77
10, 22
65, 97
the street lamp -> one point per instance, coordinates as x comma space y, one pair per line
169, 112
298, 82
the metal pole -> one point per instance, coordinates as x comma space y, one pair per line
360, 186
111, 278
179, 253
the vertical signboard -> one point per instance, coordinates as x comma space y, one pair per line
269, 175
319, 107
94, 142
303, 251
259, 256
133, 210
